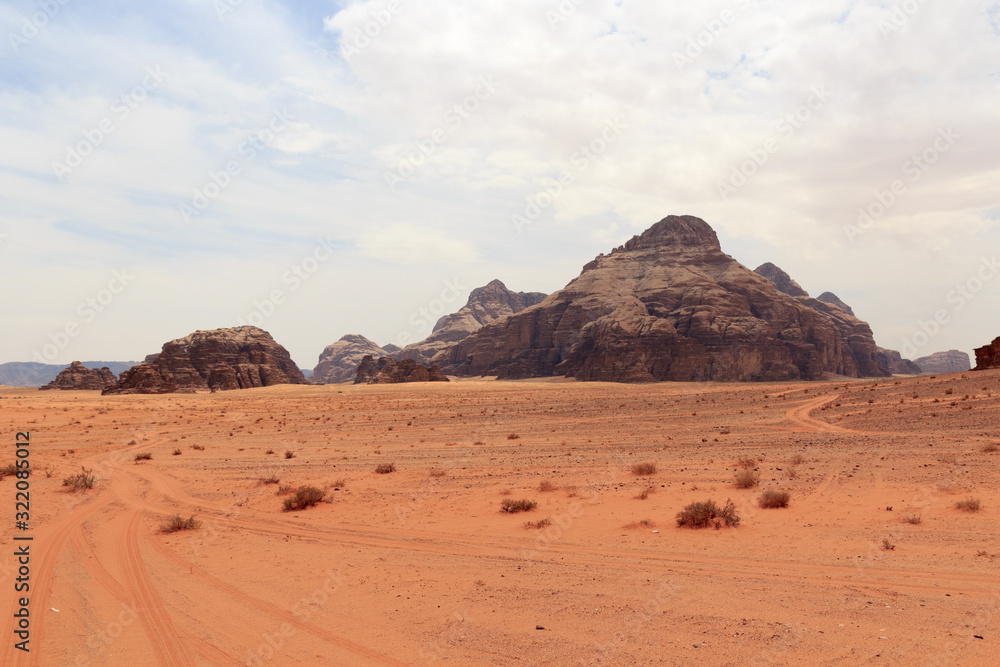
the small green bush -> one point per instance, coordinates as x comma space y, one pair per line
80, 481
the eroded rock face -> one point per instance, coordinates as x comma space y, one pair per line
221, 359
389, 371
487, 304
952, 361
670, 305
834, 300
339, 361
78, 376
143, 379
894, 363
781, 280
988, 356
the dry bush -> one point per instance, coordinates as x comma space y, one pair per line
644, 469
176, 523
887, 545
547, 487
437, 472
798, 460
792, 473
704, 513
644, 494
339, 483
273, 479
177, 452
289, 454
746, 479
772, 499
913, 519
969, 505
305, 496
513, 436
144, 456
538, 524
385, 468
80, 481
515, 506
8, 470
284, 489
950, 459
645, 523
747, 463
270, 451
200, 448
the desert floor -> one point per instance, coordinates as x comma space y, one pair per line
420, 566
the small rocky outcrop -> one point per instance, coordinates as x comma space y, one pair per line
894, 363
781, 280
390, 371
952, 361
78, 376
834, 300
339, 361
143, 379
988, 356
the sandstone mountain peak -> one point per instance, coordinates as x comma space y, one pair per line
339, 361
781, 280
78, 376
676, 231
834, 300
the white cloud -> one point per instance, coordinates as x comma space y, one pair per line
410, 244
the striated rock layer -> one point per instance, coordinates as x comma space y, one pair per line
78, 376
143, 379
988, 356
670, 305
339, 361
389, 371
894, 363
221, 359
952, 361
487, 304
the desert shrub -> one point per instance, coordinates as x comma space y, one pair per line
199, 448
270, 451
289, 454
701, 514
747, 463
772, 499
798, 460
176, 523
644, 469
437, 472
513, 436
284, 489
144, 456
385, 468
887, 545
645, 493
969, 505
645, 523
81, 481
515, 506
270, 479
538, 524
8, 470
746, 479
177, 452
547, 486
792, 473
914, 519
305, 496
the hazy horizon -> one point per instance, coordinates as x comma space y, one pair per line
195, 165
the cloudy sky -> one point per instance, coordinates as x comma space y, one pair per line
333, 167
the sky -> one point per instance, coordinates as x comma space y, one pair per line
324, 168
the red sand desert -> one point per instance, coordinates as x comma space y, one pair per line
419, 566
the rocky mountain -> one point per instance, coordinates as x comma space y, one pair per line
32, 374
487, 304
780, 280
390, 371
339, 361
834, 300
988, 356
78, 376
893, 361
952, 361
238, 358
144, 379
670, 305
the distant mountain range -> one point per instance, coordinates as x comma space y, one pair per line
32, 374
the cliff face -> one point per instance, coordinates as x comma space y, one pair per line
339, 361
952, 361
487, 304
670, 305
893, 361
389, 371
238, 358
988, 356
143, 379
78, 376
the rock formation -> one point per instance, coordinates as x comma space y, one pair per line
390, 371
989, 356
487, 304
339, 361
893, 362
78, 376
834, 300
237, 358
952, 361
780, 280
670, 305
143, 379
